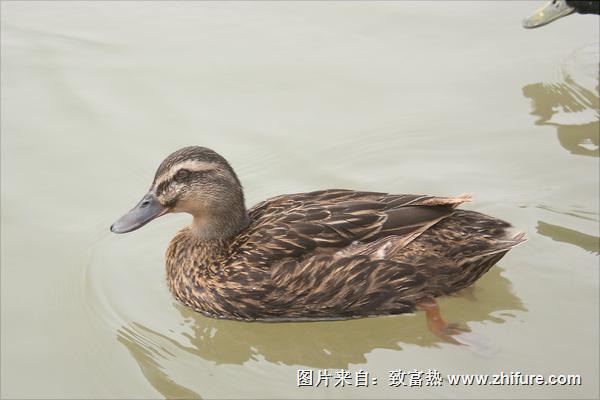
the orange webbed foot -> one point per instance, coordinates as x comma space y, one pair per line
452, 332
449, 332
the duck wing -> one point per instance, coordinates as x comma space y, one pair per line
304, 225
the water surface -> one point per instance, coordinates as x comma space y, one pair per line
428, 97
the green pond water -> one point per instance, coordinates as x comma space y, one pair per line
428, 97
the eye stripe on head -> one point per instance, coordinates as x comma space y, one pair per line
194, 158
189, 165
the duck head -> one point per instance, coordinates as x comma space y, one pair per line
198, 181
556, 9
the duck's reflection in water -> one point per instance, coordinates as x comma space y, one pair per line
328, 344
589, 243
148, 355
561, 234
572, 109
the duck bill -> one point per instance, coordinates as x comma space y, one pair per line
145, 211
553, 10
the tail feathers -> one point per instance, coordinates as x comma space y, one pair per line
500, 246
471, 267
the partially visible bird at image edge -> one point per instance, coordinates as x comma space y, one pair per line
556, 9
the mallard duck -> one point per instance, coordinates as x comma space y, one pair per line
556, 9
329, 254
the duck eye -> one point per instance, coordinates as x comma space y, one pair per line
181, 175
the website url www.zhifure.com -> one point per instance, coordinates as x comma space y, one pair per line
430, 378
513, 378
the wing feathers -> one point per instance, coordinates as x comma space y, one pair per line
305, 224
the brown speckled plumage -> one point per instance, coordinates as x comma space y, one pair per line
322, 255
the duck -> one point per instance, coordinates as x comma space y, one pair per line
321, 255
556, 9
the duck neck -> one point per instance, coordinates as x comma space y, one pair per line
220, 225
